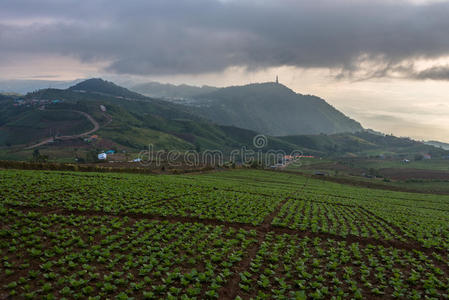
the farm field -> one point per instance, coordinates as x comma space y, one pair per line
237, 234
425, 176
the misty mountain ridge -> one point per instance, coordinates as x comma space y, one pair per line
170, 91
133, 121
23, 86
438, 144
269, 108
273, 109
100, 86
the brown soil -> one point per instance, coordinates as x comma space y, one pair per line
373, 185
405, 174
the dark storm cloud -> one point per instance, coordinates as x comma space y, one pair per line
191, 37
435, 73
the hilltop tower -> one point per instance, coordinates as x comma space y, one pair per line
277, 79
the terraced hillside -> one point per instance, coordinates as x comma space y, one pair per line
237, 234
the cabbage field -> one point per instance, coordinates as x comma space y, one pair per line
236, 234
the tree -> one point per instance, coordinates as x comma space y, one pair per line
36, 155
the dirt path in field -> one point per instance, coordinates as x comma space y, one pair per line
230, 290
324, 202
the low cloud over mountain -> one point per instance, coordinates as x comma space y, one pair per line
193, 37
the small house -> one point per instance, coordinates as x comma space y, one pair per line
320, 173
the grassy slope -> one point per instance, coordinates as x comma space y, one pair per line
136, 124
433, 164
362, 143
34, 125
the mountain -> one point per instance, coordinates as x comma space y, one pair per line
170, 91
131, 121
103, 87
437, 144
362, 143
127, 121
273, 109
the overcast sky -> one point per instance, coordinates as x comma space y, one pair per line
384, 63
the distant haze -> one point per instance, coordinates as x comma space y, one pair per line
384, 63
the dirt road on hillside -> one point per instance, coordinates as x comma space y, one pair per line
70, 137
